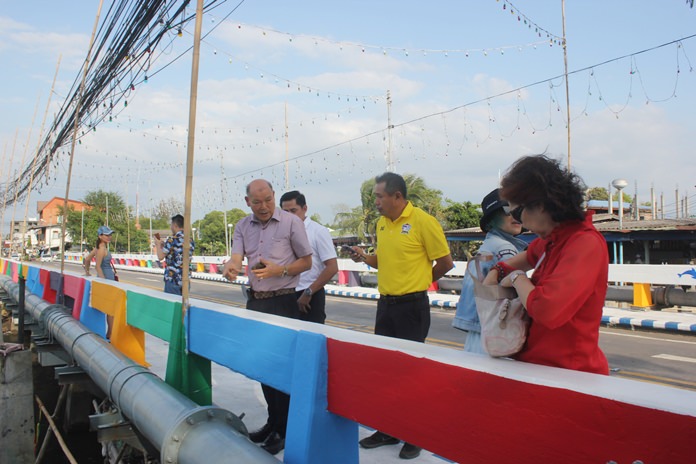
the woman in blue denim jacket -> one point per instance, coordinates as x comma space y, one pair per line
500, 244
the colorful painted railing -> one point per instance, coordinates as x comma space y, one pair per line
464, 407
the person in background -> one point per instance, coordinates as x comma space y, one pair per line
172, 251
565, 295
500, 244
311, 297
105, 269
408, 241
103, 265
277, 250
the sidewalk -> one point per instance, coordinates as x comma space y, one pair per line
670, 319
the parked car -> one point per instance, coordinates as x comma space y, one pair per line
46, 256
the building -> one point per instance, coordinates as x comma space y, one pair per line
603, 207
668, 241
50, 222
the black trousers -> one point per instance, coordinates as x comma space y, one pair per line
278, 401
409, 320
317, 310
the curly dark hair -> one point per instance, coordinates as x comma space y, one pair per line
538, 179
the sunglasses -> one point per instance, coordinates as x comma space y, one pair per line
515, 213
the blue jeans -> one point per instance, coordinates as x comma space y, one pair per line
171, 287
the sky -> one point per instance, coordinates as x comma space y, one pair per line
472, 87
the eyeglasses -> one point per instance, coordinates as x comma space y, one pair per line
515, 213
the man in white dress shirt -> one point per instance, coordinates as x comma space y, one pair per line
310, 291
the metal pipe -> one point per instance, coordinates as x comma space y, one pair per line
661, 296
183, 431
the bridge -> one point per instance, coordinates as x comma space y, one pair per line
465, 408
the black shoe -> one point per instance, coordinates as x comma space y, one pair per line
258, 436
274, 444
409, 451
378, 439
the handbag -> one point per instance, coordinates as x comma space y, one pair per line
114, 268
504, 321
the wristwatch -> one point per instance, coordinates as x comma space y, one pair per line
308, 292
514, 276
285, 272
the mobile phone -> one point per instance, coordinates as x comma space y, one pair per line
258, 265
348, 249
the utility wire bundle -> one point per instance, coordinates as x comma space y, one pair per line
127, 44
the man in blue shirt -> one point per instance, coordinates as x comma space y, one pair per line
172, 251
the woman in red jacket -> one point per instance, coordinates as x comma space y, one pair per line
565, 295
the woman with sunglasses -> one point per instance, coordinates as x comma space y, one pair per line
500, 244
565, 295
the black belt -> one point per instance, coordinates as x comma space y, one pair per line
270, 294
394, 299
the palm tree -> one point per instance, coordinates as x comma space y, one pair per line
427, 199
362, 220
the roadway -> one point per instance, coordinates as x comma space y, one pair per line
665, 358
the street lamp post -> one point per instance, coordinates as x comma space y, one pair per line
82, 229
229, 238
620, 184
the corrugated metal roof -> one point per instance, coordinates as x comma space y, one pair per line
608, 223
650, 224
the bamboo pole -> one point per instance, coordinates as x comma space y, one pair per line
287, 170
390, 159
76, 126
56, 431
189, 159
38, 144
565, 64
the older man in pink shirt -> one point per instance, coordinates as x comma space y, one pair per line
277, 250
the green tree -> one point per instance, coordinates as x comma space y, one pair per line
125, 238
627, 199
427, 199
600, 193
362, 220
597, 193
163, 212
210, 231
461, 215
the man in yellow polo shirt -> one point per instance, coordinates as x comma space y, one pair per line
408, 241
